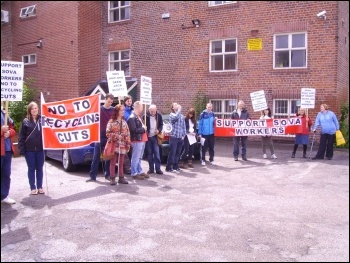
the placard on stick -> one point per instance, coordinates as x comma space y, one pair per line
117, 83
146, 90
258, 100
308, 96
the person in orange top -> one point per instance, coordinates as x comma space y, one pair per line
302, 138
7, 131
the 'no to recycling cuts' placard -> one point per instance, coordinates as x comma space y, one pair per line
11, 80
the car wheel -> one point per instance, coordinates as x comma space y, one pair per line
67, 162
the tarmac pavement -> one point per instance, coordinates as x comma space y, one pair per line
262, 210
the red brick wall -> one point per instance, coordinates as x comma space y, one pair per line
178, 59
6, 34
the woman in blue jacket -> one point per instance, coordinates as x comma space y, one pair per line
329, 124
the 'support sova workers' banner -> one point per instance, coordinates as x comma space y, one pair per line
71, 123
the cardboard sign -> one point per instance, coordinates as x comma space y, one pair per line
146, 90
308, 96
258, 100
12, 80
117, 83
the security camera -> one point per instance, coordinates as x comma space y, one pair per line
321, 14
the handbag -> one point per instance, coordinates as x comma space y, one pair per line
109, 150
160, 138
339, 138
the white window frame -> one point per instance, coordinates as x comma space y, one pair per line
110, 10
223, 54
221, 114
289, 49
289, 113
212, 3
120, 60
28, 11
31, 59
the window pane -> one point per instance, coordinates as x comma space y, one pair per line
229, 108
281, 59
125, 55
216, 47
281, 41
115, 15
216, 62
230, 61
293, 107
230, 45
114, 56
114, 66
30, 9
216, 105
124, 3
114, 4
298, 58
298, 40
25, 59
126, 67
124, 13
281, 107
32, 59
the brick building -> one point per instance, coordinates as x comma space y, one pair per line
223, 49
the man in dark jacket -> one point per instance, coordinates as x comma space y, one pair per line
242, 114
154, 123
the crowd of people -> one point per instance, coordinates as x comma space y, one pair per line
132, 131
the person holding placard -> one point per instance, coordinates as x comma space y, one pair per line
242, 114
206, 128
329, 124
127, 112
267, 139
106, 112
138, 137
302, 138
154, 123
191, 127
7, 132
30, 144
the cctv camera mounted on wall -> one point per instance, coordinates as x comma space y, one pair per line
322, 14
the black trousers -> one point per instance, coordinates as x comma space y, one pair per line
326, 146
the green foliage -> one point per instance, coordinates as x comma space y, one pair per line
18, 109
344, 124
200, 102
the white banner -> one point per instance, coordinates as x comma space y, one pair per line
258, 100
146, 90
308, 96
117, 83
12, 80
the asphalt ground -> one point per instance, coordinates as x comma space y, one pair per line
258, 211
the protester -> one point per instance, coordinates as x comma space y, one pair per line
154, 123
329, 124
138, 139
191, 128
7, 132
30, 144
118, 131
267, 139
127, 112
176, 140
206, 131
106, 112
242, 114
303, 137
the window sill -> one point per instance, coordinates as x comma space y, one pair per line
224, 6
22, 19
224, 73
290, 70
30, 65
123, 22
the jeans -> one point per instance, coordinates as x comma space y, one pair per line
137, 152
96, 161
5, 174
208, 143
188, 151
326, 146
120, 165
174, 154
153, 153
243, 140
35, 163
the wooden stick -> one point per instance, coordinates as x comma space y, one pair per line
6, 111
307, 115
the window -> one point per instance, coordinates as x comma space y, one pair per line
120, 60
29, 59
284, 108
28, 11
215, 3
223, 108
118, 11
290, 50
223, 55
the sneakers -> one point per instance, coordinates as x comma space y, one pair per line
144, 175
273, 156
112, 181
182, 165
212, 162
244, 158
91, 180
122, 180
203, 162
178, 170
8, 201
138, 177
150, 172
190, 165
169, 170
236, 158
264, 156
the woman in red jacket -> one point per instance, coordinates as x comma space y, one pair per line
302, 138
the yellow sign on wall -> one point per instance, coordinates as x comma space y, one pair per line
254, 43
